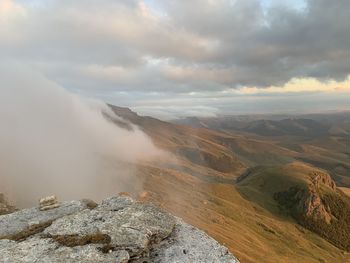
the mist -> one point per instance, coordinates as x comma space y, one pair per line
55, 142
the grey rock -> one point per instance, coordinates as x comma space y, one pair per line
118, 230
48, 251
133, 228
5, 207
20, 224
115, 203
187, 244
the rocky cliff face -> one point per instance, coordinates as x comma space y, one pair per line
307, 202
320, 207
311, 204
117, 230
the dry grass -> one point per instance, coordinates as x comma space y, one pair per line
249, 230
75, 240
345, 190
245, 218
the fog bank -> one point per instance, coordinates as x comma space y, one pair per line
54, 142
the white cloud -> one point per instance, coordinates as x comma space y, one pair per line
54, 142
301, 85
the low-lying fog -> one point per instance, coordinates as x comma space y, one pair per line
54, 142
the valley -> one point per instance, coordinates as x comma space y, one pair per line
225, 182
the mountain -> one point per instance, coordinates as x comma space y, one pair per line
267, 198
294, 127
312, 125
256, 194
322, 140
307, 194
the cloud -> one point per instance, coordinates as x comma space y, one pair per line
108, 48
302, 85
176, 111
54, 142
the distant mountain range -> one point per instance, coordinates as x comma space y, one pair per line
272, 190
277, 125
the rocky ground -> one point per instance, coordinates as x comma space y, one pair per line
117, 230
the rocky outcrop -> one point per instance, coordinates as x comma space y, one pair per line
48, 203
307, 202
27, 222
320, 207
311, 206
5, 207
318, 178
117, 230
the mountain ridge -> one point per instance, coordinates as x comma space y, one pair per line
210, 198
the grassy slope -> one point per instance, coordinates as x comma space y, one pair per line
252, 228
345, 190
244, 217
261, 185
329, 157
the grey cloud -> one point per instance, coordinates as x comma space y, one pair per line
104, 48
273, 48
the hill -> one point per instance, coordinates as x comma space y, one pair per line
276, 125
307, 194
322, 140
227, 201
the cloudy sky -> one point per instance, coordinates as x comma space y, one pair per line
186, 57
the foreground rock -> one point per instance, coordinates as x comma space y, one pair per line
117, 230
48, 203
27, 222
5, 207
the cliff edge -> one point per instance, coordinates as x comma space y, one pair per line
117, 230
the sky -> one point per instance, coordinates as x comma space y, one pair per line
180, 58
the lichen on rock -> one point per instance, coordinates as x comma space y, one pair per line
117, 230
26, 222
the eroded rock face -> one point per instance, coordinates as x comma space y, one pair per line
319, 178
117, 230
307, 202
311, 204
312, 207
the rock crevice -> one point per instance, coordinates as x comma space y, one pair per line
117, 230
